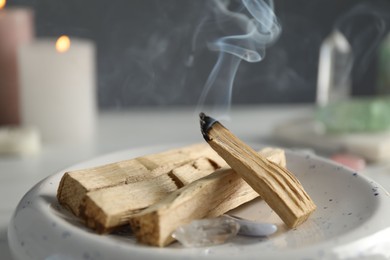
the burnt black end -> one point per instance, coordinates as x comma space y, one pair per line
206, 123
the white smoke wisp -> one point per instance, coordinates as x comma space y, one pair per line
255, 27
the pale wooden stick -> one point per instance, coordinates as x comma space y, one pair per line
280, 189
75, 184
209, 196
190, 172
108, 208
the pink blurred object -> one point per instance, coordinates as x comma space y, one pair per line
354, 162
16, 29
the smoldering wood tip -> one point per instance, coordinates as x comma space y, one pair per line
206, 122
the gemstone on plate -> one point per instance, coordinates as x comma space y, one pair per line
206, 232
254, 228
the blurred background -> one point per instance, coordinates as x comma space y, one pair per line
154, 53
105, 87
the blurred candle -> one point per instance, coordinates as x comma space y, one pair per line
16, 29
58, 88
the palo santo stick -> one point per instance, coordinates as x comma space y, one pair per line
108, 208
75, 184
280, 189
209, 196
190, 172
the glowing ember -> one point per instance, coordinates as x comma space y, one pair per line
2, 3
63, 43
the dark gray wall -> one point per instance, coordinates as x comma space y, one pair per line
148, 53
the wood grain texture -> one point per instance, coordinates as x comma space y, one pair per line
209, 196
75, 184
276, 185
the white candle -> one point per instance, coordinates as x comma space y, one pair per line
16, 28
58, 89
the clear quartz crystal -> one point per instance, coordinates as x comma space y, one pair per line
206, 232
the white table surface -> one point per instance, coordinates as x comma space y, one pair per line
120, 130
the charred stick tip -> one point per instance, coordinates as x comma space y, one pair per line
206, 123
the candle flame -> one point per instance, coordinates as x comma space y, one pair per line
62, 44
2, 3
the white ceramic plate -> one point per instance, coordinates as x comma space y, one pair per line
352, 221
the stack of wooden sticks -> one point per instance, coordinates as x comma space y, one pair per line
159, 192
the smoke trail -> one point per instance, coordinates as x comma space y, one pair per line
365, 26
255, 27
